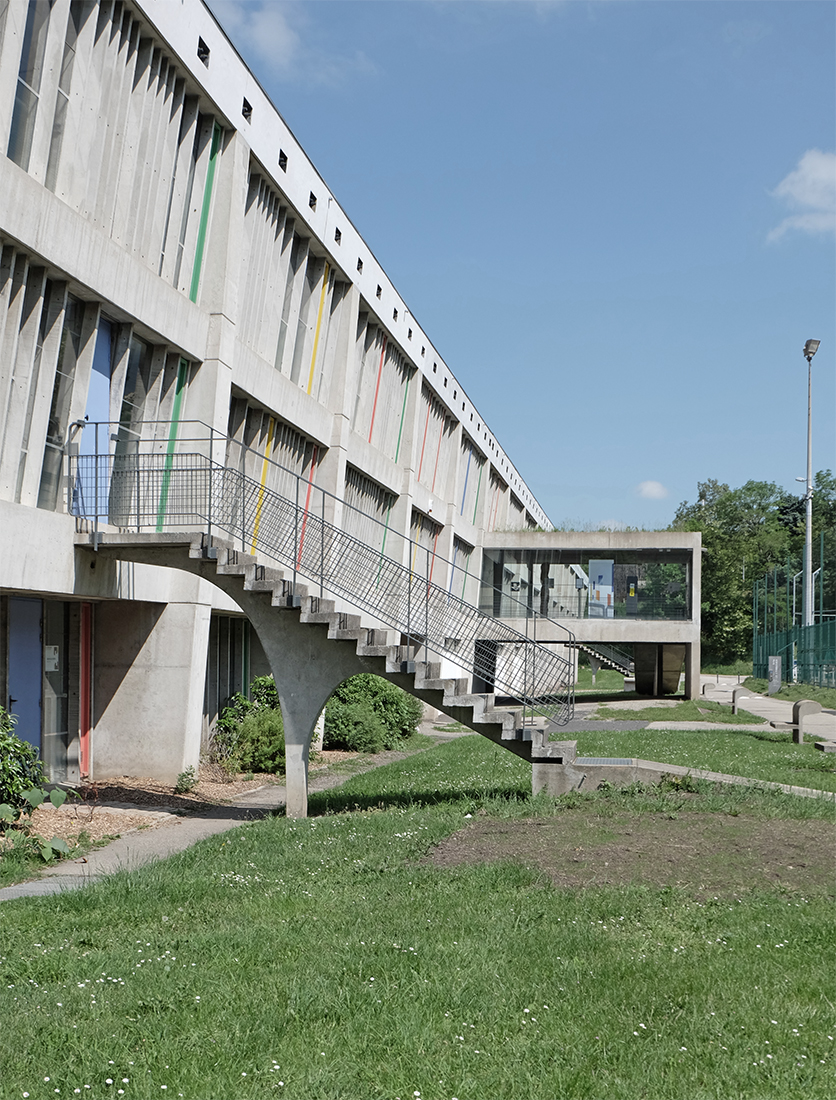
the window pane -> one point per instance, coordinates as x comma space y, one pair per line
23, 125
34, 43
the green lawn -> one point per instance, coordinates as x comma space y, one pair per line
606, 680
690, 710
322, 960
766, 755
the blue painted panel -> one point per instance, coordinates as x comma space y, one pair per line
25, 667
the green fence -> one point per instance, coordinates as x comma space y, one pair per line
812, 649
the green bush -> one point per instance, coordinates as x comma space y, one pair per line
20, 768
249, 729
354, 727
397, 712
186, 781
261, 741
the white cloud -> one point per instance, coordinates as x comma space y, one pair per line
809, 189
652, 490
274, 34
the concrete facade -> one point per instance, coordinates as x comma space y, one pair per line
168, 253
172, 264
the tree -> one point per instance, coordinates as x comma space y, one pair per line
746, 532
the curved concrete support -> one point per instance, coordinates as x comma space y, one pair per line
307, 666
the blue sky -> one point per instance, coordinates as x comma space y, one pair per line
616, 220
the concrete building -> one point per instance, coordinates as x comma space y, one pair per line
611, 589
176, 279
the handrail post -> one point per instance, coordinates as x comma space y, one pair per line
136, 456
409, 598
96, 483
296, 535
427, 610
242, 475
209, 503
322, 546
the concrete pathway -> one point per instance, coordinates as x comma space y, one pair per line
773, 710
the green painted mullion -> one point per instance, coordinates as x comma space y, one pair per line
180, 385
204, 212
183, 368
478, 488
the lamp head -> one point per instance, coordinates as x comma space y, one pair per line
810, 349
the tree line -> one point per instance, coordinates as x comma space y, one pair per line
746, 533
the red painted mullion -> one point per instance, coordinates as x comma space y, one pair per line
377, 386
307, 507
85, 687
423, 443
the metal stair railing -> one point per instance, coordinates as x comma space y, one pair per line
610, 653
139, 484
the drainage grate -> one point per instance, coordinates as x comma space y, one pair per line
589, 760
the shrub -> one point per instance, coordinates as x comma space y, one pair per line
186, 781
354, 727
397, 712
250, 728
20, 768
261, 741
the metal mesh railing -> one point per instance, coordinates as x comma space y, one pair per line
163, 491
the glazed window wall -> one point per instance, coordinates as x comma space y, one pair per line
29, 77
584, 584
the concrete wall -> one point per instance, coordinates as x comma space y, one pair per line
149, 679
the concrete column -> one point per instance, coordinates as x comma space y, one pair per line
307, 668
692, 670
137, 731
331, 472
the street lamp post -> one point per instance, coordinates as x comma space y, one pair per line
810, 349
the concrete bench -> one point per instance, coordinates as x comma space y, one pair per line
800, 711
826, 746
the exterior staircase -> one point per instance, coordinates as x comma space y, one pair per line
609, 656
249, 581
300, 578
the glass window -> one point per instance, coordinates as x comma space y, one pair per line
29, 82
62, 392
79, 10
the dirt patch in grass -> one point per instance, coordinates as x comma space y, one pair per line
705, 854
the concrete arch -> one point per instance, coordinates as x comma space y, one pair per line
307, 666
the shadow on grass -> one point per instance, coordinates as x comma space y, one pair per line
337, 801
591, 696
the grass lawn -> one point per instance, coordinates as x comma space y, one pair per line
769, 755
736, 668
606, 680
690, 710
331, 959
793, 692
20, 856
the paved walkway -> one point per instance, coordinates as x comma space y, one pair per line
773, 710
